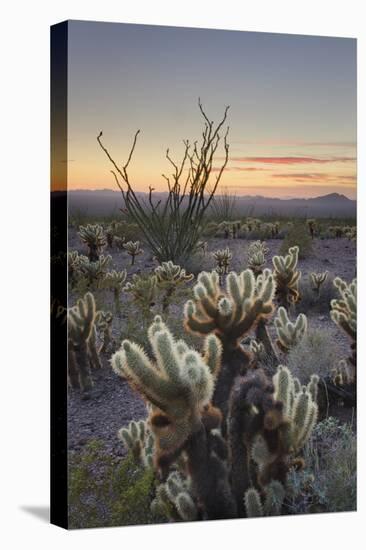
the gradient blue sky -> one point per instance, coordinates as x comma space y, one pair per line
292, 105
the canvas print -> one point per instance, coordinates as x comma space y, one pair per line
204, 187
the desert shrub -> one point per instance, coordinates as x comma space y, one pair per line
106, 493
310, 301
297, 235
315, 353
328, 484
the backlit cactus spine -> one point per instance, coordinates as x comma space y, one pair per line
257, 256
133, 249
344, 312
93, 236
287, 277
289, 334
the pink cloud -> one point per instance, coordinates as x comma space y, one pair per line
293, 160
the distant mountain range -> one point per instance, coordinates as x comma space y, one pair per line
106, 202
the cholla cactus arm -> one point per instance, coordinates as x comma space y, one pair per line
253, 504
317, 279
94, 271
133, 249
287, 277
138, 439
344, 312
256, 255
289, 334
93, 236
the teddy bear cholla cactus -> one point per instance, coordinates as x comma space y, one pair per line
169, 278
138, 438
317, 280
223, 258
143, 289
133, 249
344, 312
82, 342
115, 280
178, 385
289, 334
287, 277
104, 324
230, 314
94, 271
274, 497
257, 256
174, 499
93, 236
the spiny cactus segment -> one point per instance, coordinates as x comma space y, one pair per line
94, 271
93, 236
142, 288
104, 324
287, 277
133, 249
289, 334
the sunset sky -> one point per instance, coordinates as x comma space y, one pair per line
292, 104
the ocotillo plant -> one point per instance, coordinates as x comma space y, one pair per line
172, 225
170, 278
289, 334
115, 280
223, 258
93, 236
344, 312
231, 315
257, 256
317, 279
287, 277
81, 327
133, 249
104, 324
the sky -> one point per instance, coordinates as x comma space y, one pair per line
292, 100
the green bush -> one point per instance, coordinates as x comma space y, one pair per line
315, 353
328, 483
298, 235
104, 492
